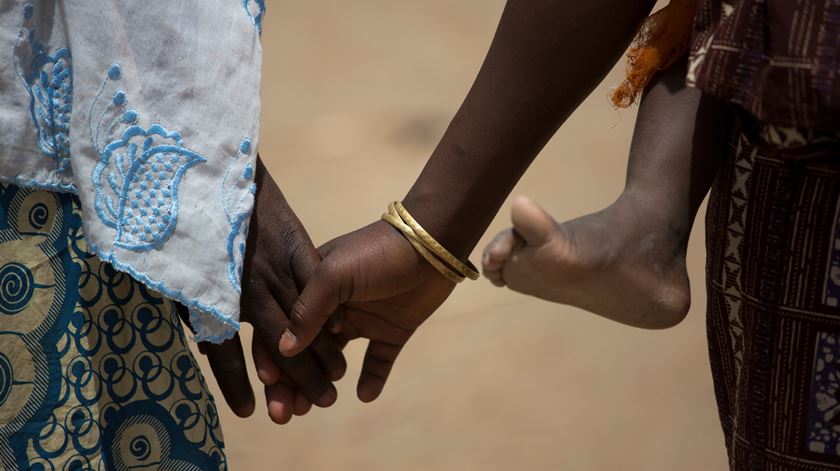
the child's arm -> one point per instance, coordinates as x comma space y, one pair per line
546, 58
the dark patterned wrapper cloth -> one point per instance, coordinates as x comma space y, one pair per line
95, 372
773, 279
777, 59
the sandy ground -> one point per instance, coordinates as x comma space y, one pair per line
356, 96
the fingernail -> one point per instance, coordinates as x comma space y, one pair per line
328, 398
338, 373
265, 377
244, 411
486, 259
334, 327
287, 341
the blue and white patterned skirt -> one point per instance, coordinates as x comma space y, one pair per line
95, 371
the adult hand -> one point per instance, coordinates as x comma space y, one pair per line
386, 289
279, 259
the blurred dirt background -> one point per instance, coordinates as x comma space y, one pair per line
356, 95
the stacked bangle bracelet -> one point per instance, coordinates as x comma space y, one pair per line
441, 259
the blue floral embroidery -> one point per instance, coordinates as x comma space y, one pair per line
48, 79
238, 189
138, 174
255, 10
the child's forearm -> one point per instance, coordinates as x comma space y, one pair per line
546, 57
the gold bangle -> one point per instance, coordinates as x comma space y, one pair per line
393, 218
466, 269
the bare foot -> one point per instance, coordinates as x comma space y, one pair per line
623, 263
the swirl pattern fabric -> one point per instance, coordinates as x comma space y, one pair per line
95, 372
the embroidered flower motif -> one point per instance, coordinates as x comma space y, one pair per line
138, 174
48, 79
137, 182
238, 189
255, 10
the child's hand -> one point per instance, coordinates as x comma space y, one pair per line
387, 290
280, 258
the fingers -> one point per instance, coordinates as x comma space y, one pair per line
310, 372
268, 371
228, 365
361, 323
302, 404
184, 314
329, 355
379, 359
279, 262
303, 371
320, 298
335, 323
305, 258
280, 402
304, 263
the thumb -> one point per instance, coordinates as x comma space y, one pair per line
305, 261
530, 221
321, 296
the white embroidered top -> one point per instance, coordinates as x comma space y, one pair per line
149, 112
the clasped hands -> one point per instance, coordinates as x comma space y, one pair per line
305, 304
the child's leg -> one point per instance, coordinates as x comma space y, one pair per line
626, 262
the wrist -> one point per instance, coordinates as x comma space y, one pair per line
441, 220
455, 214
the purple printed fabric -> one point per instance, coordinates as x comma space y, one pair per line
777, 59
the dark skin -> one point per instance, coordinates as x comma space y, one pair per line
535, 75
279, 260
626, 262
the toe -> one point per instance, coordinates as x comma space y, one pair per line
499, 283
531, 221
495, 277
499, 250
